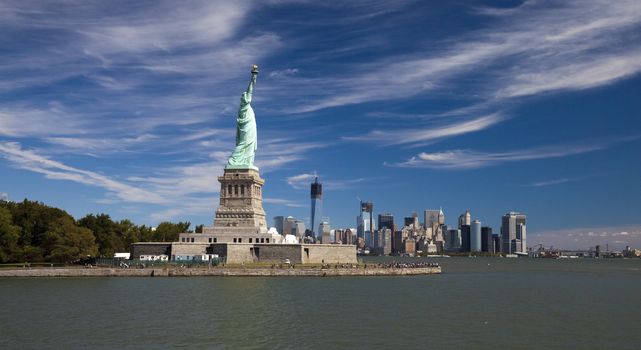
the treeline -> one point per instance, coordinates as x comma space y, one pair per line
34, 232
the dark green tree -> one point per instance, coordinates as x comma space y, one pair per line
9, 235
34, 219
168, 231
66, 243
128, 232
32, 231
107, 233
146, 233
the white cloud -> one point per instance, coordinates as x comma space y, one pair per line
467, 159
274, 152
283, 72
552, 182
29, 160
304, 181
423, 134
93, 145
22, 120
496, 11
530, 49
301, 181
181, 190
284, 202
188, 206
4, 196
146, 66
186, 188
594, 72
206, 23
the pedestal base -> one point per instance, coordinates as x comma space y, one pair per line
241, 200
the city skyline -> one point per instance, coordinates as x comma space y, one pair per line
488, 106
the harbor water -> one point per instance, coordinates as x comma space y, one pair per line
477, 303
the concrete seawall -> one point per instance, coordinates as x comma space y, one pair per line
217, 271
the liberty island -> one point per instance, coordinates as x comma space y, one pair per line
239, 237
240, 234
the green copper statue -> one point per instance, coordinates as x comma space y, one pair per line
246, 135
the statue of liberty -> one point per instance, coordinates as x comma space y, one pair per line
246, 135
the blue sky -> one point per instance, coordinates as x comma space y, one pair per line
129, 109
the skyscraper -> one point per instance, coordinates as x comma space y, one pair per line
365, 223
487, 244
465, 219
434, 221
465, 238
433, 217
521, 234
317, 201
299, 228
496, 243
513, 233
383, 241
279, 223
412, 221
387, 221
475, 236
288, 226
324, 232
454, 239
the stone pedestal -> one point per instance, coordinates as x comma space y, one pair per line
241, 201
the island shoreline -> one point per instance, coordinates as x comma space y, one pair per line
219, 271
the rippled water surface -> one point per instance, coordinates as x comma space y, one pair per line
477, 303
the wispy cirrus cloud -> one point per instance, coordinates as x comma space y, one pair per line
560, 181
22, 120
284, 202
283, 72
600, 70
502, 11
552, 182
31, 161
468, 159
303, 181
178, 189
428, 133
529, 49
150, 67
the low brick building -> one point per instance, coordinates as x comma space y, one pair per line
150, 248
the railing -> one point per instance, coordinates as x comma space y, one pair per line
29, 265
124, 263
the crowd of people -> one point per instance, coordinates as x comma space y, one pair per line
391, 265
397, 265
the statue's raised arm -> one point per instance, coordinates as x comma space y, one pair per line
246, 134
252, 82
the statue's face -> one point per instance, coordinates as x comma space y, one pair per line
244, 98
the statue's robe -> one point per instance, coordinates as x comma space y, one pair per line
246, 135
